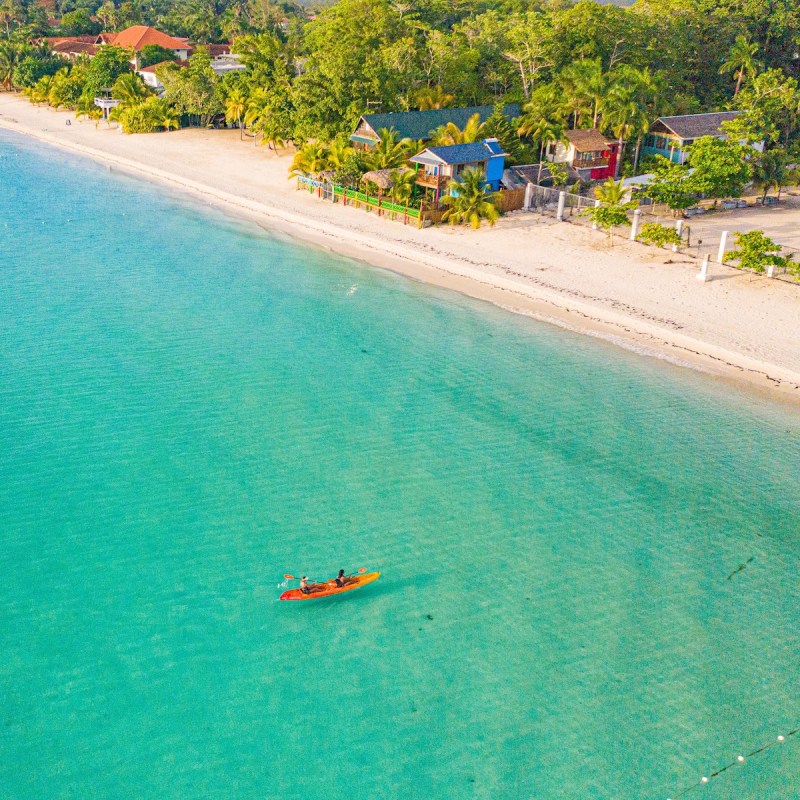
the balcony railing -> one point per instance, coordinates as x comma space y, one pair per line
431, 181
590, 163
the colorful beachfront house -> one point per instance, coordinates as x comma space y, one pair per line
437, 166
593, 156
672, 136
418, 125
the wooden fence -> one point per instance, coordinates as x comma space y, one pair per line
510, 200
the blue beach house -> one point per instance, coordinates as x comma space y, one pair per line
672, 136
440, 165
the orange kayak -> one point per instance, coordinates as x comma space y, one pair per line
329, 588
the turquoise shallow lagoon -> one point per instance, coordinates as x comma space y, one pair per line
190, 407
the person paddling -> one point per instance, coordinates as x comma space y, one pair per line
341, 579
305, 586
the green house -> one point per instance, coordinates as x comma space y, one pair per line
417, 125
671, 136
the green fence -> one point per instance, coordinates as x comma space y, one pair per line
331, 191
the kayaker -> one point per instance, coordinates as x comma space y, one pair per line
340, 579
305, 586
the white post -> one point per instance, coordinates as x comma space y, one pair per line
562, 199
679, 231
637, 217
528, 196
723, 243
771, 271
703, 274
596, 205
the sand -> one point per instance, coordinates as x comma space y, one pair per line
736, 326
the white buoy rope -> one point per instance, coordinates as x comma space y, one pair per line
741, 759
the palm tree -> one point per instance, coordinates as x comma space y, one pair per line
310, 159
235, 108
452, 134
611, 193
168, 120
390, 151
10, 56
545, 131
624, 111
582, 84
771, 169
130, 89
741, 61
431, 97
469, 201
403, 183
339, 151
258, 110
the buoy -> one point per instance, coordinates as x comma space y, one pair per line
704, 779
781, 738
740, 759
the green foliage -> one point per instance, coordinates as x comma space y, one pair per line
471, 203
154, 114
607, 217
346, 71
559, 173
154, 54
194, 90
769, 104
654, 233
771, 170
309, 160
31, 68
130, 89
613, 211
349, 171
720, 168
390, 152
756, 251
670, 184
78, 22
104, 69
569, 62
403, 185
500, 127
65, 88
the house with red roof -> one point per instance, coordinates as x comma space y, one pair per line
138, 36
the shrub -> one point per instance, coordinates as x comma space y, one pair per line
756, 251
658, 235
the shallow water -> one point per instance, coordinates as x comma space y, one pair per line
190, 407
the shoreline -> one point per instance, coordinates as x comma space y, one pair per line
429, 256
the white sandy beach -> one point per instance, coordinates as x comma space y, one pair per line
738, 326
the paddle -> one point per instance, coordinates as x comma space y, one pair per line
292, 577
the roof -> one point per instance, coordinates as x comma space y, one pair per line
693, 126
587, 141
419, 124
139, 36
382, 178
153, 67
89, 38
459, 153
216, 50
73, 46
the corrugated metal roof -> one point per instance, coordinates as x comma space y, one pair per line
419, 124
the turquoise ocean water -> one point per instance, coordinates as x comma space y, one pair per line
190, 407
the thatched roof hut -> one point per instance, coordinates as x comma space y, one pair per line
380, 177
